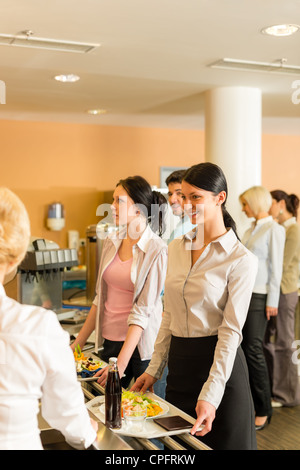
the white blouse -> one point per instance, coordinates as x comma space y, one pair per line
148, 272
209, 298
266, 240
36, 363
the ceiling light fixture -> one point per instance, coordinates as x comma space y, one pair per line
96, 111
69, 78
279, 66
27, 39
280, 30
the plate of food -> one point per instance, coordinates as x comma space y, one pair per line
155, 408
86, 367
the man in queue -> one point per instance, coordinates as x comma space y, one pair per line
184, 225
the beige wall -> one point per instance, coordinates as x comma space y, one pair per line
281, 162
77, 164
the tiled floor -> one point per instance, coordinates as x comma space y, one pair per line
283, 433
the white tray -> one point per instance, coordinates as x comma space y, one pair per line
152, 430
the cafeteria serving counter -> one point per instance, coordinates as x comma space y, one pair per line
110, 440
107, 438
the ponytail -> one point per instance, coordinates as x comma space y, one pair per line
293, 204
153, 205
157, 219
291, 201
228, 221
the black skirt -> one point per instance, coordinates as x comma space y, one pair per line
190, 360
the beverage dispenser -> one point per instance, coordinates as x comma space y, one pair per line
39, 276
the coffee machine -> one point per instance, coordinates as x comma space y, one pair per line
39, 277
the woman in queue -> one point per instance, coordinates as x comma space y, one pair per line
284, 371
265, 238
207, 293
127, 309
36, 362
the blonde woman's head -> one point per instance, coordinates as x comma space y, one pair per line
14, 229
256, 200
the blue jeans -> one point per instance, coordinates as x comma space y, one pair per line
160, 386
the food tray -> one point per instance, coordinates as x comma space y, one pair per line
152, 430
89, 376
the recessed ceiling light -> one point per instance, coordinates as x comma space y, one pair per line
97, 111
70, 78
281, 30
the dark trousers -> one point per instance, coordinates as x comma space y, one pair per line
253, 336
190, 360
135, 366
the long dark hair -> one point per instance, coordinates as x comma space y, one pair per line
210, 177
152, 204
291, 200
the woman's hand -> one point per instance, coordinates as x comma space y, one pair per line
102, 374
271, 312
143, 383
206, 413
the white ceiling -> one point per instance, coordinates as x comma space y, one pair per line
152, 68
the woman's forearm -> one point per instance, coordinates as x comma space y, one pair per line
132, 338
87, 328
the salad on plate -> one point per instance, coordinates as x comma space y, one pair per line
85, 364
138, 402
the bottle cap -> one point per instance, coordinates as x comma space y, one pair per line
113, 360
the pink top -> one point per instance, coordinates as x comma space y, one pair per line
119, 299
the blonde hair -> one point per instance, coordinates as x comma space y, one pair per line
14, 228
258, 198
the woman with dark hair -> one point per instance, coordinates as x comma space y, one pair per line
283, 371
207, 292
127, 309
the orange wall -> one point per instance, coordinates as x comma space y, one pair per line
281, 163
76, 164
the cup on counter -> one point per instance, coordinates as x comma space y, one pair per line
135, 418
73, 239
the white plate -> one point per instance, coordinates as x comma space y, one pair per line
164, 411
152, 430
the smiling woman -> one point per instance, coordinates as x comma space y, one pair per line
210, 190
207, 293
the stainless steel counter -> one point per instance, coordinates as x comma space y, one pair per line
108, 440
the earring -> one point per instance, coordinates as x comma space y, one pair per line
281, 212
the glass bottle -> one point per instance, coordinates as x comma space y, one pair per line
113, 396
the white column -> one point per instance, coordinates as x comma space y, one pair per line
233, 141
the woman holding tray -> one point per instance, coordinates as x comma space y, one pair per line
207, 293
127, 309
